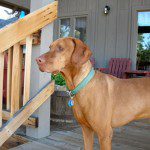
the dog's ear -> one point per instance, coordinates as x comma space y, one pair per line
81, 53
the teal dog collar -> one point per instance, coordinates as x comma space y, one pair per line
81, 85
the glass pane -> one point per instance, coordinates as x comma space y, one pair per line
144, 18
64, 27
80, 29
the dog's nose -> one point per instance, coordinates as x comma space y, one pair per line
40, 60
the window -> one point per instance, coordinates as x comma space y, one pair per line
143, 43
64, 27
74, 27
80, 29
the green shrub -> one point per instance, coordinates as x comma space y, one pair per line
143, 56
59, 80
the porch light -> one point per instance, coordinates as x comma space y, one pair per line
106, 9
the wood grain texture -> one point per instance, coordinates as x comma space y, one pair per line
30, 122
9, 77
26, 26
25, 113
26, 93
16, 78
1, 84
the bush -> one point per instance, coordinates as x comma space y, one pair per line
143, 59
143, 56
59, 80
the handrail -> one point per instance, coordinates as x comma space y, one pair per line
18, 77
24, 113
19, 30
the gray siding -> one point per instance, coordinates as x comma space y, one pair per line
112, 35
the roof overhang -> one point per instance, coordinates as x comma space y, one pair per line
144, 29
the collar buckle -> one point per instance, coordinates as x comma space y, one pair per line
70, 94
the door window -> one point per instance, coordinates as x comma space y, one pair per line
64, 27
74, 27
80, 28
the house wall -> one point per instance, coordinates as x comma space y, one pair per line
112, 35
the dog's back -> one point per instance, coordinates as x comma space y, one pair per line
132, 100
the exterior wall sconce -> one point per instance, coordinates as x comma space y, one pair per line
106, 10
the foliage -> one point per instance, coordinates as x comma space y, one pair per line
143, 56
139, 42
148, 44
59, 80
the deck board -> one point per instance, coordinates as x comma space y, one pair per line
134, 136
34, 146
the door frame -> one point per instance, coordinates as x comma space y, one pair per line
134, 32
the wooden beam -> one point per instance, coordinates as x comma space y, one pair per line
9, 76
24, 113
26, 26
26, 93
30, 122
16, 78
1, 84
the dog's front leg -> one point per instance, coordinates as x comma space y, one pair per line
105, 139
88, 135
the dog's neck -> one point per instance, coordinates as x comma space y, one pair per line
74, 75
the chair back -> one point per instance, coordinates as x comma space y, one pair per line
117, 66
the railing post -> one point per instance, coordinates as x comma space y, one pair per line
9, 77
16, 86
26, 93
1, 84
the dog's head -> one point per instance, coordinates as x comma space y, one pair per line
63, 53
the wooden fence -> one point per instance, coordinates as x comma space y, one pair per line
18, 109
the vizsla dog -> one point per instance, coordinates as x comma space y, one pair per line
106, 102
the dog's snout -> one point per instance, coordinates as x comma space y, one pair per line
40, 60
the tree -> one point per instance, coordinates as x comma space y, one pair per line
140, 42
147, 45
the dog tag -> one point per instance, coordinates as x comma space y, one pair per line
70, 103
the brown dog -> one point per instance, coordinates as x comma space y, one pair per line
105, 102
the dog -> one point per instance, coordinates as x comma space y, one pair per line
106, 102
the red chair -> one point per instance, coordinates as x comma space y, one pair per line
117, 67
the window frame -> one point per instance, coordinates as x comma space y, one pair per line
73, 23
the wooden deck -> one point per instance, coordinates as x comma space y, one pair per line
135, 136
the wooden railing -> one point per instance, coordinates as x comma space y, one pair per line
18, 107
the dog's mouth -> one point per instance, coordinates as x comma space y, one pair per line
43, 68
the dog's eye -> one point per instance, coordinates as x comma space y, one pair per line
60, 48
